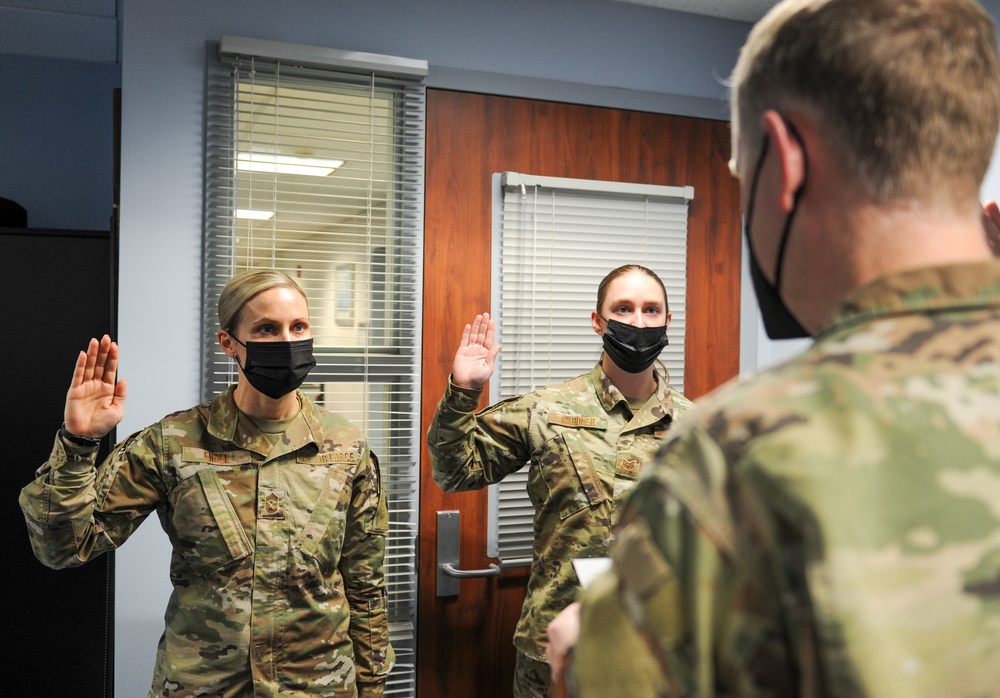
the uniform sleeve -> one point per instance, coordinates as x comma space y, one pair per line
469, 451
362, 565
76, 511
693, 582
611, 657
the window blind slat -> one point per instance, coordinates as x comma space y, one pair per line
353, 241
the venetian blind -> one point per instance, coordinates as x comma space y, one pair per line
314, 164
557, 238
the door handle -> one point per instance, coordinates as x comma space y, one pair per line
452, 571
448, 571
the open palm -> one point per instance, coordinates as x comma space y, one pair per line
95, 402
476, 354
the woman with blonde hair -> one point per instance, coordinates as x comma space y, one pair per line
273, 506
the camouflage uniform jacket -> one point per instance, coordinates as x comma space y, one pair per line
832, 527
278, 543
586, 450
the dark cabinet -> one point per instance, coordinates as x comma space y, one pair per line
57, 291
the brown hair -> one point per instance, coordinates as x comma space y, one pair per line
244, 286
602, 288
908, 91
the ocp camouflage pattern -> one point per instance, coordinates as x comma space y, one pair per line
832, 527
586, 449
278, 546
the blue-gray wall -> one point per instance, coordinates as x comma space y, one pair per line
56, 140
56, 158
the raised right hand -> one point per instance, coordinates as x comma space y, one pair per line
95, 403
476, 354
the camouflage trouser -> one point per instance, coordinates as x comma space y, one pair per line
531, 678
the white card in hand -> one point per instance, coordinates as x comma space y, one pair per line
589, 568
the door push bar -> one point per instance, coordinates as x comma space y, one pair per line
448, 572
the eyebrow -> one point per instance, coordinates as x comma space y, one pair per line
269, 320
629, 301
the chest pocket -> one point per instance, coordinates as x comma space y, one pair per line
322, 537
209, 533
573, 494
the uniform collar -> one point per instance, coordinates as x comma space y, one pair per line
224, 420
609, 395
953, 287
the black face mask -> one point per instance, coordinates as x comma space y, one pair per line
633, 349
277, 368
779, 323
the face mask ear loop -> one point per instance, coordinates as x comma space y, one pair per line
753, 186
236, 357
795, 205
666, 371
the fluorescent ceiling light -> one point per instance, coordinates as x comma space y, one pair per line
286, 164
254, 215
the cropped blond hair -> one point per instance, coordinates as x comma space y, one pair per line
244, 286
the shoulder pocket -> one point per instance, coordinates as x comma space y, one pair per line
379, 521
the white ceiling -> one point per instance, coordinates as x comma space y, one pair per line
89, 29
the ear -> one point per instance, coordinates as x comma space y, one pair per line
790, 157
226, 343
595, 322
670, 316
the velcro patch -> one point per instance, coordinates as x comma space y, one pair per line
579, 421
351, 457
191, 454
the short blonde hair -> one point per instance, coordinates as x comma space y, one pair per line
244, 286
907, 91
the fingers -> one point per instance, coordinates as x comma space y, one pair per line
91, 361
562, 633
99, 362
79, 369
992, 210
104, 363
111, 365
991, 224
479, 332
490, 332
121, 393
482, 330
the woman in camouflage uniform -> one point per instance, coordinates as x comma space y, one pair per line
273, 507
586, 439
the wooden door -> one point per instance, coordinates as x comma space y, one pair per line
464, 643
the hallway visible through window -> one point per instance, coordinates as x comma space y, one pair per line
317, 170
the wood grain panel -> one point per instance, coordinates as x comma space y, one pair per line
464, 643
